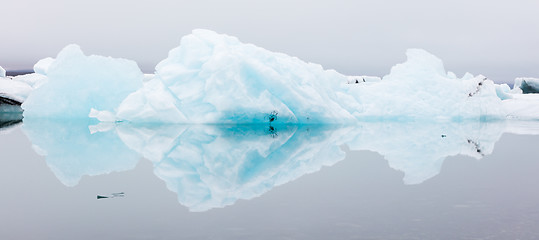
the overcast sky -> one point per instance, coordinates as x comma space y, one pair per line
499, 39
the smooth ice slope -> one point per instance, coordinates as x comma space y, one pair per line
77, 83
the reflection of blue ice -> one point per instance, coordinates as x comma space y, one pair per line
72, 152
419, 149
212, 166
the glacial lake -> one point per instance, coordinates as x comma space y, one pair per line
373, 180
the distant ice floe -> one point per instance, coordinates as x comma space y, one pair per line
526, 85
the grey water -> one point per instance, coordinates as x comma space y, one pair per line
379, 180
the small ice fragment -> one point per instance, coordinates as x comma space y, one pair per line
112, 195
42, 66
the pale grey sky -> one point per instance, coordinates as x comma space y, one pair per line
496, 38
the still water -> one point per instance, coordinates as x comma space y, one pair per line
378, 180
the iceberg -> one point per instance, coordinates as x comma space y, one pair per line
215, 78
2, 72
76, 83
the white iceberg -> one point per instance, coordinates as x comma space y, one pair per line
420, 88
2, 72
215, 78
76, 83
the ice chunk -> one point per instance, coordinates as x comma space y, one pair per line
152, 103
527, 85
2, 72
14, 90
503, 91
42, 66
34, 80
522, 107
213, 78
421, 89
77, 83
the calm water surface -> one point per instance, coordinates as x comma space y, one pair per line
467, 180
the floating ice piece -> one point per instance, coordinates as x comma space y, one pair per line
504, 91
213, 78
420, 88
522, 107
42, 66
77, 83
526, 85
18, 88
14, 90
2, 72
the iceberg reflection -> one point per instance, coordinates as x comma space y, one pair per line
72, 151
211, 166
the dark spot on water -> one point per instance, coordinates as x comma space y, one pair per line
112, 195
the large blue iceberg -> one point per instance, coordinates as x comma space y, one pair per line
215, 78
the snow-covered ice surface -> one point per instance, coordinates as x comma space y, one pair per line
212, 166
